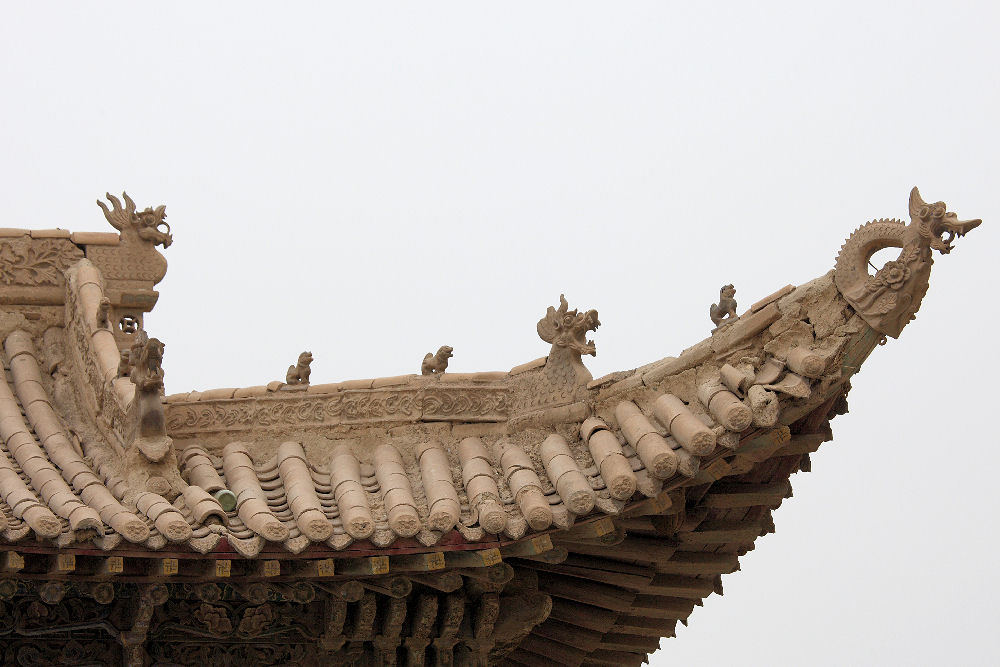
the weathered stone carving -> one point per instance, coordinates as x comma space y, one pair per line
436, 363
888, 300
145, 224
103, 311
146, 373
299, 373
123, 363
460, 404
26, 261
725, 310
129, 324
145, 363
567, 329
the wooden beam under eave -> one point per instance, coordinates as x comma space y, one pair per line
609, 565
680, 586
805, 443
525, 548
445, 582
565, 633
648, 627
553, 556
629, 643
632, 547
653, 524
393, 587
579, 590
736, 495
699, 562
11, 561
610, 577
554, 652
610, 658
523, 658
659, 606
723, 532
582, 615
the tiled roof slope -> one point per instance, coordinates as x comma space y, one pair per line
432, 454
646, 485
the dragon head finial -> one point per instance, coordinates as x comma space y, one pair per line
890, 298
568, 328
145, 224
936, 225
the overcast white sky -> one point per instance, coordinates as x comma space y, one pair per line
370, 184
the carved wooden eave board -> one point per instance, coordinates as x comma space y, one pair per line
527, 517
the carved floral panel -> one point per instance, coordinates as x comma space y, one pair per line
26, 261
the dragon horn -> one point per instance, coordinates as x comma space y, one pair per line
916, 202
130, 205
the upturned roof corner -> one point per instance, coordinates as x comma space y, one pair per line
538, 502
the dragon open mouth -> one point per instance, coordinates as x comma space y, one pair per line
949, 229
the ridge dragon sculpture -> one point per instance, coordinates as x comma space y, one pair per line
567, 331
145, 224
889, 300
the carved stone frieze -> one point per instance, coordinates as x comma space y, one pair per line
347, 407
31, 262
43, 652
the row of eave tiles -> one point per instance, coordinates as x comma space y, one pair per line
36, 437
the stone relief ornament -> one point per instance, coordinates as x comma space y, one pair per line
567, 330
459, 404
888, 300
725, 310
146, 224
145, 364
26, 261
436, 363
135, 258
146, 372
103, 312
299, 373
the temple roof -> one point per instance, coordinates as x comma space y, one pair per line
621, 501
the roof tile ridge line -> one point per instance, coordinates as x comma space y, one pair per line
104, 462
44, 475
79, 238
475, 380
87, 283
93, 352
47, 425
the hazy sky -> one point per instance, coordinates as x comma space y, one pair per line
370, 184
